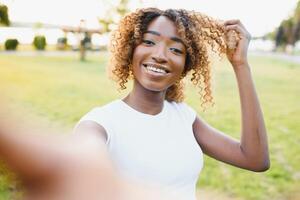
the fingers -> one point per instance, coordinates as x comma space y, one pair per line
237, 26
232, 21
240, 30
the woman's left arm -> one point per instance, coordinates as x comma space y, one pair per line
251, 152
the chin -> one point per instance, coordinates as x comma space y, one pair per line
153, 86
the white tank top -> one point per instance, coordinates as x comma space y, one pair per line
156, 149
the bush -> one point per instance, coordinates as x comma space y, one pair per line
62, 43
39, 42
4, 19
11, 44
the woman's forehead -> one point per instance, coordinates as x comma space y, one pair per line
164, 26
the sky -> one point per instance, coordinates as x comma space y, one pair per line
259, 16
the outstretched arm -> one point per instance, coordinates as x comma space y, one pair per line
251, 152
30, 156
75, 167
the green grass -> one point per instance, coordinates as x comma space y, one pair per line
61, 89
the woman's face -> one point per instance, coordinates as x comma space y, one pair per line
159, 60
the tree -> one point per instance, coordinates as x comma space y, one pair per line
288, 26
4, 15
85, 43
113, 14
288, 32
296, 23
279, 37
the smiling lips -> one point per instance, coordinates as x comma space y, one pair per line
156, 68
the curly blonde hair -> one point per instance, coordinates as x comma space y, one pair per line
200, 34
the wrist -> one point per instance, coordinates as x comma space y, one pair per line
241, 66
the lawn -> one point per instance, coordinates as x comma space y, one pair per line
59, 90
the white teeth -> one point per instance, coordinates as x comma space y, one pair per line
154, 69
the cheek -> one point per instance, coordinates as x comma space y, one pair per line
180, 63
139, 51
137, 55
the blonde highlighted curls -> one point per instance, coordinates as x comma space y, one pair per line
200, 34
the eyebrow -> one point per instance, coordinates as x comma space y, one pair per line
176, 39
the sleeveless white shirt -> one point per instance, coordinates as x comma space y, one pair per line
156, 149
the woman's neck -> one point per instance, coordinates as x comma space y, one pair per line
145, 101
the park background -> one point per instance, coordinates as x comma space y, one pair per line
53, 58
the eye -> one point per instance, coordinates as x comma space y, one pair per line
177, 51
148, 42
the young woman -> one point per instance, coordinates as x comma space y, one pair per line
151, 136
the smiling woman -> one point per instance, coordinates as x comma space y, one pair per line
192, 34
154, 137
159, 60
150, 137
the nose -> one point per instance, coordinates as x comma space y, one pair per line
159, 55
